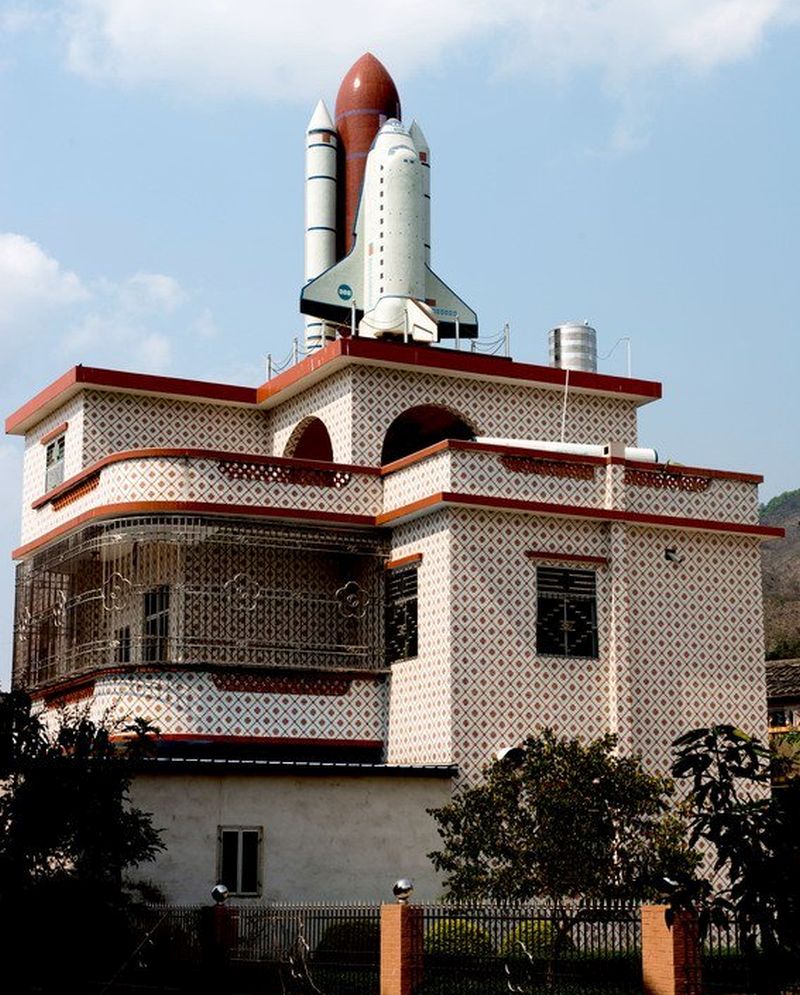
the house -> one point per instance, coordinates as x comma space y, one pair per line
337, 595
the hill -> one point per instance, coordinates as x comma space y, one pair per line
780, 560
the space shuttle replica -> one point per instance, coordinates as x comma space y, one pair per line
368, 222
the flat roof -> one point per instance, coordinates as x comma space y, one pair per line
245, 765
318, 366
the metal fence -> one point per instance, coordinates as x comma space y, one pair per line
265, 948
530, 948
729, 968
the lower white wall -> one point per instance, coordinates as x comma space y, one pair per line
326, 838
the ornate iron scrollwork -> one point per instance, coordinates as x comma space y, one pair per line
244, 592
116, 592
353, 600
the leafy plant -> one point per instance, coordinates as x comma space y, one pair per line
457, 938
755, 880
566, 819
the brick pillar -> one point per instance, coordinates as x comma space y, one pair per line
670, 954
401, 949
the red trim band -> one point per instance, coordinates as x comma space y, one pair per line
404, 561
142, 383
216, 454
54, 434
454, 362
576, 511
542, 554
192, 507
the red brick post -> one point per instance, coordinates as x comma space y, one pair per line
401, 949
670, 954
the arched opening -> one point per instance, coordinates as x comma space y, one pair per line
310, 440
422, 426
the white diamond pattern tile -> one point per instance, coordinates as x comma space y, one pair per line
723, 500
420, 704
116, 422
697, 639
34, 462
181, 704
331, 401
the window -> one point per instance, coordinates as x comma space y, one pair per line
401, 613
122, 645
239, 859
156, 625
566, 622
54, 461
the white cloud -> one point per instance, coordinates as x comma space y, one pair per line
152, 292
32, 283
295, 51
49, 311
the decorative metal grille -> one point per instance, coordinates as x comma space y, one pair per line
174, 590
566, 623
666, 480
547, 468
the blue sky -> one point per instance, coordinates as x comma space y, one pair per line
631, 162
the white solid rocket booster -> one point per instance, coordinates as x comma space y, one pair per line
320, 240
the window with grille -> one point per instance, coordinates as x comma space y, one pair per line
156, 625
239, 859
54, 461
122, 645
566, 621
401, 613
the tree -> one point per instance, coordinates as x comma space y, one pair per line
67, 834
564, 819
751, 835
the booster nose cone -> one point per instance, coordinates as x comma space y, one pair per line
367, 98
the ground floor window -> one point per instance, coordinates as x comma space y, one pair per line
566, 606
239, 859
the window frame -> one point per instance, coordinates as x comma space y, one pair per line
240, 830
404, 603
573, 602
54, 462
155, 625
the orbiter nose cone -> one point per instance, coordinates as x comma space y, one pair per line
367, 86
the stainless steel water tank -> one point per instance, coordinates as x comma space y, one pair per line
573, 346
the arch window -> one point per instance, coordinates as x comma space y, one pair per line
310, 440
420, 427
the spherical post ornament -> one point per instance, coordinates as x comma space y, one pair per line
402, 890
219, 893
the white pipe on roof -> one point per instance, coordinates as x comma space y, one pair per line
570, 448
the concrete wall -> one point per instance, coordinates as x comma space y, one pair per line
326, 838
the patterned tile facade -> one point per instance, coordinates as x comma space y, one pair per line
115, 422
192, 704
679, 644
493, 409
501, 689
696, 635
34, 466
420, 704
332, 402
723, 500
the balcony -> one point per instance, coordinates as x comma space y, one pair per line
200, 481
638, 492
161, 592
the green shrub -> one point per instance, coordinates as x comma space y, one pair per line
350, 941
537, 935
457, 938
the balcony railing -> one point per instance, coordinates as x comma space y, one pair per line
190, 591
